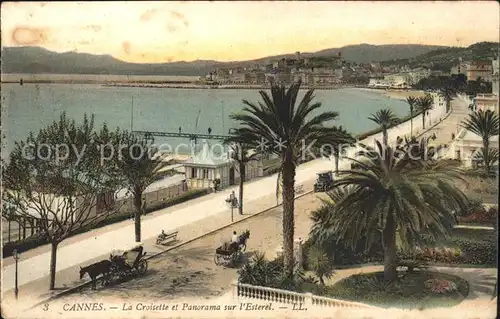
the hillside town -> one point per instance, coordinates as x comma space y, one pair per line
337, 70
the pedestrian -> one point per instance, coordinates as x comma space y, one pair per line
180, 129
234, 238
209, 130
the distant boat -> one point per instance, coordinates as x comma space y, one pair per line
21, 82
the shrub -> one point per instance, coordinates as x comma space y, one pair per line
478, 251
24, 244
474, 206
320, 263
260, 272
437, 285
343, 254
191, 194
486, 216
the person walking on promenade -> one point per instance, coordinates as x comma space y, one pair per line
209, 130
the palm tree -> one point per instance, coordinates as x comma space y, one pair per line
492, 157
484, 124
278, 126
339, 148
139, 164
425, 104
393, 194
447, 93
412, 101
242, 156
385, 118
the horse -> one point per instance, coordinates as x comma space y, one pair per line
102, 267
242, 240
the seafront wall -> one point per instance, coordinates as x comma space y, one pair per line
403, 129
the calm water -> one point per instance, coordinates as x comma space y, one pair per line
33, 106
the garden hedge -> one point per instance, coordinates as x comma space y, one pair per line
465, 246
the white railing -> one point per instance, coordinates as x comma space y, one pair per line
330, 302
268, 294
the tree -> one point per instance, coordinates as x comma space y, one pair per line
339, 145
491, 157
385, 119
393, 194
412, 102
57, 176
425, 104
447, 92
139, 162
242, 156
290, 129
485, 124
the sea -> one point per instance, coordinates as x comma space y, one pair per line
30, 107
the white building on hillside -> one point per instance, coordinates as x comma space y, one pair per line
467, 145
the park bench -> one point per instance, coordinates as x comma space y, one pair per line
299, 189
165, 239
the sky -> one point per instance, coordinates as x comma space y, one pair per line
232, 31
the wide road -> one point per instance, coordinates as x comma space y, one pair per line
189, 272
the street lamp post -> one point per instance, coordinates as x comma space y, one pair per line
230, 200
16, 257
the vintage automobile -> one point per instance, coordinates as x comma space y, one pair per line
324, 181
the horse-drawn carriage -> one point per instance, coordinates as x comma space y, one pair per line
121, 263
128, 262
231, 252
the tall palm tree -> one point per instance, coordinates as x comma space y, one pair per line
277, 125
484, 124
385, 118
425, 104
139, 163
447, 93
412, 102
242, 156
393, 194
339, 145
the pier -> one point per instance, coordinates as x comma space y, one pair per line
191, 136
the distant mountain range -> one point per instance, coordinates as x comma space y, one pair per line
445, 58
38, 60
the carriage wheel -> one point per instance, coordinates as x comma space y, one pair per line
142, 266
217, 259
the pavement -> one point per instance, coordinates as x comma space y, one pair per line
190, 219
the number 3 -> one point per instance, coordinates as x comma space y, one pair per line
45, 307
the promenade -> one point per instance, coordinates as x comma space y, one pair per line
191, 219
